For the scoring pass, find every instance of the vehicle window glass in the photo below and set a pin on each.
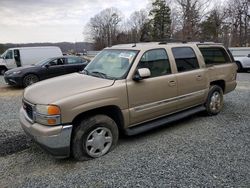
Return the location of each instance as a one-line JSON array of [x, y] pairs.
[[185, 59], [73, 60], [156, 61], [9, 55], [56, 62], [112, 63], [214, 55]]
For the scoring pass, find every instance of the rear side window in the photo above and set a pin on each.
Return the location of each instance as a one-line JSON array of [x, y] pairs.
[[156, 61], [72, 60], [185, 59], [215, 55]]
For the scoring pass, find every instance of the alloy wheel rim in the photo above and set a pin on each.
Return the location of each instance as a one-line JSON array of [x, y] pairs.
[[98, 142], [215, 103]]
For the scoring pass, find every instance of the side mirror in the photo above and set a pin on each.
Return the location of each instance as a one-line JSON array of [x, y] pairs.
[[248, 55], [47, 66], [142, 74]]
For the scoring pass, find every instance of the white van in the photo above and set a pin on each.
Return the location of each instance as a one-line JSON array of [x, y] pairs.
[[17, 57], [241, 56]]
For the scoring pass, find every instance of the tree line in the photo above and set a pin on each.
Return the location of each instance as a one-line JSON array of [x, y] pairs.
[[179, 20]]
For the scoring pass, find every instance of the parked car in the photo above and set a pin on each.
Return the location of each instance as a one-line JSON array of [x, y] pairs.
[[126, 89], [52, 67], [242, 57], [18, 57]]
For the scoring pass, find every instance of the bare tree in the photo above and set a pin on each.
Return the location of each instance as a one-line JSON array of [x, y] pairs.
[[192, 12], [103, 27], [137, 21], [238, 18]]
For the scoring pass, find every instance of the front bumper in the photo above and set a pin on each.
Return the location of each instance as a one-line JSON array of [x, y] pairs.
[[13, 80], [55, 140]]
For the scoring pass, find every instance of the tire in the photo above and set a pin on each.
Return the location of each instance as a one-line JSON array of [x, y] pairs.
[[2, 71], [214, 101], [94, 137], [240, 69], [30, 79]]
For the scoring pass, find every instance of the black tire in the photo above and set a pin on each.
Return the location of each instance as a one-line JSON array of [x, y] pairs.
[[213, 107], [2, 71], [30, 79], [82, 136], [240, 69]]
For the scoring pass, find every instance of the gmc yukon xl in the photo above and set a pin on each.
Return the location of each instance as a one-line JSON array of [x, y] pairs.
[[127, 89]]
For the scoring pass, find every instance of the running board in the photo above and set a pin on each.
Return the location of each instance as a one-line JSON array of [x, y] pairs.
[[162, 121]]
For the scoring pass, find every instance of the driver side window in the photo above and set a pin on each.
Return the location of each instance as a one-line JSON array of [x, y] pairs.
[[156, 61], [9, 55], [56, 62]]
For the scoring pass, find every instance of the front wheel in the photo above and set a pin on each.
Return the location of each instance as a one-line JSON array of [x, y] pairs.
[[2, 71], [214, 101], [94, 137], [30, 79]]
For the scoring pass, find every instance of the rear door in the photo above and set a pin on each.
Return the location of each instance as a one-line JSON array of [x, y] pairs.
[[154, 96], [74, 64], [191, 78]]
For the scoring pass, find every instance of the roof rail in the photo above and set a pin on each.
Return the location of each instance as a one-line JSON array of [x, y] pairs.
[[171, 41]]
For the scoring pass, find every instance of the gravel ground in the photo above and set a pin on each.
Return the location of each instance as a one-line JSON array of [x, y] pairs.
[[198, 151]]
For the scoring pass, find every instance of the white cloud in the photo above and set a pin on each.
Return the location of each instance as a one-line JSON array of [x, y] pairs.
[[58, 20]]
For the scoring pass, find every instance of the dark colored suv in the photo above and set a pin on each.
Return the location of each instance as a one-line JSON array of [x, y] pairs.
[[25, 76]]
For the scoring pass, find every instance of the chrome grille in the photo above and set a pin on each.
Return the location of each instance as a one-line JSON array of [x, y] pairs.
[[29, 110]]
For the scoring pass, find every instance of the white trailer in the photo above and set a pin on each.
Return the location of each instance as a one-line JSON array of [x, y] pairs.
[[17, 57]]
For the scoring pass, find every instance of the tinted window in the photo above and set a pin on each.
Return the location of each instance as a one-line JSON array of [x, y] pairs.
[[185, 59], [60, 61], [9, 55], [156, 61], [72, 60], [214, 55]]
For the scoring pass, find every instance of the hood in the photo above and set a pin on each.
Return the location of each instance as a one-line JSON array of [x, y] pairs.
[[20, 69], [52, 90]]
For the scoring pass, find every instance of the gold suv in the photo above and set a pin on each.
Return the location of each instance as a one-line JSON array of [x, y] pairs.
[[127, 89]]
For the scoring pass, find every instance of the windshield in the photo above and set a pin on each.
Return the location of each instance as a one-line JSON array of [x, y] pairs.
[[111, 64], [3, 55], [43, 61]]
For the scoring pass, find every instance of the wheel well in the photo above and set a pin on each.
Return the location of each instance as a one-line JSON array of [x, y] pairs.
[[3, 67], [220, 83], [113, 112], [31, 73]]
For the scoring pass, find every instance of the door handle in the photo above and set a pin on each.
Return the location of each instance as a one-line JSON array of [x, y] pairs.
[[198, 77], [172, 83]]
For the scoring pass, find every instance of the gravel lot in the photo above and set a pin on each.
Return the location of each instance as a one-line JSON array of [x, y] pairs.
[[198, 151]]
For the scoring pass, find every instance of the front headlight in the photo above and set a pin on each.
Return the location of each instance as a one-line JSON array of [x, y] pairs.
[[48, 114], [16, 72]]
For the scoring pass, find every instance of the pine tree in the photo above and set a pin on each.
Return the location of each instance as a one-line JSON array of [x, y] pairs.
[[161, 21]]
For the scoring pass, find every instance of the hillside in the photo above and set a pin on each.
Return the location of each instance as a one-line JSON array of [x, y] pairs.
[[65, 46]]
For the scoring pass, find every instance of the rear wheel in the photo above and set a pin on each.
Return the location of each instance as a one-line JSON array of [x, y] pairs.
[[30, 79], [240, 69], [214, 101], [94, 137]]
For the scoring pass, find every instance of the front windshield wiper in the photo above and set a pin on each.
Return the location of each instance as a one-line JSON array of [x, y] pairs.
[[101, 74], [84, 72]]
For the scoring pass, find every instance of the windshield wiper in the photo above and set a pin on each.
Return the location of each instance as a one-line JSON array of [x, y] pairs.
[[101, 74], [85, 72]]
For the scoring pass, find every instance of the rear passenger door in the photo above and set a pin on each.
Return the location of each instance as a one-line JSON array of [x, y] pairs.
[[74, 64], [191, 79], [154, 96]]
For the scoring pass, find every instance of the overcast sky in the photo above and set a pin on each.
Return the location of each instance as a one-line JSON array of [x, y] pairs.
[[24, 21]]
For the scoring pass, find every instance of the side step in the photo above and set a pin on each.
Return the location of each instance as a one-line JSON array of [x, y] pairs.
[[162, 121]]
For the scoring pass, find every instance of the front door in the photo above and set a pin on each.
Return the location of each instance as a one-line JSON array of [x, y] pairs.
[[154, 96], [55, 67]]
